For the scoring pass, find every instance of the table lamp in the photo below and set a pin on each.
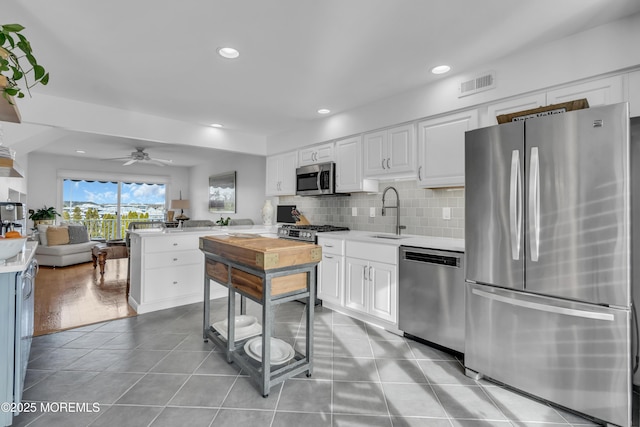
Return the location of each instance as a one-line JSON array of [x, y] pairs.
[[181, 204]]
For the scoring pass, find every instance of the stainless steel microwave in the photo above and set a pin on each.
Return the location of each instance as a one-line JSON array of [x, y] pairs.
[[316, 180]]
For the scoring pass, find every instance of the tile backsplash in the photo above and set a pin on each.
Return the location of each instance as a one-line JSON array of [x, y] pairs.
[[421, 210]]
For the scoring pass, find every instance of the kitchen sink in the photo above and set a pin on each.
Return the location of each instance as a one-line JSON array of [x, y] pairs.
[[388, 236]]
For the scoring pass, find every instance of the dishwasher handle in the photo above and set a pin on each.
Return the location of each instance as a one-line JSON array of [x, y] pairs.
[[429, 258]]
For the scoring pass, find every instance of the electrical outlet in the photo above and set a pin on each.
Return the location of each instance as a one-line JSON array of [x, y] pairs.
[[354, 211], [446, 213], [372, 212]]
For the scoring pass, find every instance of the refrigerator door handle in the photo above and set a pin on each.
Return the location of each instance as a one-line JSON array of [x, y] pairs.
[[544, 307], [515, 205], [534, 205]]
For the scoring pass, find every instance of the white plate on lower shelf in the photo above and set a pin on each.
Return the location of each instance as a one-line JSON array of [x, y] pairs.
[[242, 332], [281, 352]]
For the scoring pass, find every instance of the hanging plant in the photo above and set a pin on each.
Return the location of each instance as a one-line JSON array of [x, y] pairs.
[[15, 50]]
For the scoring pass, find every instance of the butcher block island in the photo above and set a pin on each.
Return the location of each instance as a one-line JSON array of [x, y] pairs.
[[269, 272]]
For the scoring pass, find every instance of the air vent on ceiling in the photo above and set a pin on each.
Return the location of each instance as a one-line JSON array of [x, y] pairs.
[[478, 84]]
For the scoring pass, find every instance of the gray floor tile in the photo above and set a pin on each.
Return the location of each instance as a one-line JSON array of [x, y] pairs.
[[245, 394], [362, 398], [161, 341], [56, 340], [445, 372], [419, 422], [305, 395], [180, 362], [195, 342], [288, 419], [242, 417], [216, 364], [378, 334], [341, 420], [412, 400], [322, 369], [137, 361], [105, 387], [98, 360], [153, 389], [355, 369], [352, 348], [127, 416], [517, 407], [58, 358], [343, 319], [423, 351], [65, 419], [91, 340], [321, 347], [467, 402], [483, 423], [400, 371], [193, 417], [56, 387], [34, 376], [124, 341], [349, 332], [203, 391], [391, 350]]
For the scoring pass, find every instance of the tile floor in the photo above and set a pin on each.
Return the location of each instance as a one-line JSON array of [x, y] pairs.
[[155, 370]]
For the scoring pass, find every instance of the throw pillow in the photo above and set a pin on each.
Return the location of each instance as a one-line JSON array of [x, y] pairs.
[[42, 234], [78, 234], [57, 236]]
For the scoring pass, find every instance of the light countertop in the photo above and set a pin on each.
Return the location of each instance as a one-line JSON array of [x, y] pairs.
[[441, 243], [203, 231], [20, 261]]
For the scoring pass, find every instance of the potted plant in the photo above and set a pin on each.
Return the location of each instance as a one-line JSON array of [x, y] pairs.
[[46, 215], [15, 54]]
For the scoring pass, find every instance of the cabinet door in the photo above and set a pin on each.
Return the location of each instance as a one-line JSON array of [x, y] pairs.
[[316, 154], [512, 106], [288, 174], [330, 278], [272, 183], [356, 284], [383, 291], [598, 92], [349, 164], [441, 149], [400, 150], [375, 153]]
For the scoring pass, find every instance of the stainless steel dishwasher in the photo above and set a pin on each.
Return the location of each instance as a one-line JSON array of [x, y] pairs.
[[431, 296]]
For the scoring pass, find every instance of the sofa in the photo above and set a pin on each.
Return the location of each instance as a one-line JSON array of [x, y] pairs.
[[63, 245]]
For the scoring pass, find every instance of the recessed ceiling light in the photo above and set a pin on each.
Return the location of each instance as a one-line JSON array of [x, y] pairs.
[[228, 52], [80, 151], [440, 69], [324, 111], [215, 125]]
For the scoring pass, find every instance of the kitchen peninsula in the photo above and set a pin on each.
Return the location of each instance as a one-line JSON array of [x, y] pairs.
[[167, 267]]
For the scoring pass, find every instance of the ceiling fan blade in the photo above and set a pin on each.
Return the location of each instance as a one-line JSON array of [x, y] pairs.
[[130, 162], [162, 160], [118, 158], [154, 162]]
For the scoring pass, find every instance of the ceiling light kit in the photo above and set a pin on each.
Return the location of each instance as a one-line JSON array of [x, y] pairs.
[[142, 156], [441, 69], [228, 52], [215, 125], [324, 111]]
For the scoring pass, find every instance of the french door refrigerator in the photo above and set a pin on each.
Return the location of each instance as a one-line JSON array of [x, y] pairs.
[[548, 254]]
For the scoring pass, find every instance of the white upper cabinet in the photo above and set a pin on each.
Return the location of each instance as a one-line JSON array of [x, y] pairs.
[[316, 154], [349, 177], [513, 106], [281, 174], [441, 149], [605, 91], [390, 153], [634, 93]]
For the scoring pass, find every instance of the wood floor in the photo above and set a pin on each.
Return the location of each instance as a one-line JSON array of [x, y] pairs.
[[77, 295]]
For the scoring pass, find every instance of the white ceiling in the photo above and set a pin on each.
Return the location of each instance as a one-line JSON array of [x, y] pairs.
[[159, 57]]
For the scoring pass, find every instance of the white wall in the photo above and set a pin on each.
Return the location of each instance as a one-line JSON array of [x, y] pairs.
[[605, 49], [250, 185], [43, 187]]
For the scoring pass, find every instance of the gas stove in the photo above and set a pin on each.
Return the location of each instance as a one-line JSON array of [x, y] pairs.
[[306, 233]]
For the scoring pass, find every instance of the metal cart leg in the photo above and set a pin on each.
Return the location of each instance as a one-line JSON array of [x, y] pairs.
[[207, 306], [311, 281]]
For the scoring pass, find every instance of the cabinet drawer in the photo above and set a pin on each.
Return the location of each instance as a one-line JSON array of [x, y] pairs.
[[372, 252], [173, 259], [171, 243], [331, 246], [164, 283]]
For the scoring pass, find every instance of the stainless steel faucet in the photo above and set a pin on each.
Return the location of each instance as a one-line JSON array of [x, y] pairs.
[[396, 207]]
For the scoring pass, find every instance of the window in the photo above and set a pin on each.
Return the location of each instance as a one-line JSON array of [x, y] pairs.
[[107, 207]]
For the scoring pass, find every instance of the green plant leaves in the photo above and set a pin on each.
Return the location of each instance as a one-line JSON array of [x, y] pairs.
[[12, 28], [10, 62]]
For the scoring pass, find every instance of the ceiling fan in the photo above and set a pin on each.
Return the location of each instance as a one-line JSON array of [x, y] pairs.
[[142, 156]]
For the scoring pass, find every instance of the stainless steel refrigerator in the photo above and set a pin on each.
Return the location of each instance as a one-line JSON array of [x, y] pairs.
[[548, 253]]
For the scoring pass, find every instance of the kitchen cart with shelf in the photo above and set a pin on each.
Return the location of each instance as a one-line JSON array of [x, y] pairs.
[[269, 272]]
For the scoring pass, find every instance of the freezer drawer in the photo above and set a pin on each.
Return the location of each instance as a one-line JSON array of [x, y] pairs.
[[573, 354]]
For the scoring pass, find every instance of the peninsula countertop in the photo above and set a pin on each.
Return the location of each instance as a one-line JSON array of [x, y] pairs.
[[20, 261]]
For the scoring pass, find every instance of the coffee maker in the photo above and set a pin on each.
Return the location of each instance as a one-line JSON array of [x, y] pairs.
[[12, 217]]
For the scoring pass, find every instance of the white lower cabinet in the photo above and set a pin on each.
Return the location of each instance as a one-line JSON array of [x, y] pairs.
[[371, 281], [331, 270], [166, 271]]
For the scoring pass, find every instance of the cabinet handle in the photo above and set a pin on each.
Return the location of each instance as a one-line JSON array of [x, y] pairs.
[[328, 257], [175, 259], [419, 174], [328, 246], [365, 273], [388, 167], [370, 274], [383, 164], [175, 282], [175, 244]]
